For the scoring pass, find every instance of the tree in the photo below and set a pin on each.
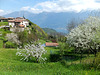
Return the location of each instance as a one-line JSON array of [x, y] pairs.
[[23, 37], [71, 25], [31, 51], [12, 37], [84, 37]]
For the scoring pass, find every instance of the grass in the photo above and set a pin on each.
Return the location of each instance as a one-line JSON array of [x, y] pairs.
[[1, 43], [42, 41], [3, 23], [10, 64]]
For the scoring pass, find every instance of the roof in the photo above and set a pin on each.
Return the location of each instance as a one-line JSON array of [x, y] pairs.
[[4, 18], [11, 20], [21, 25], [51, 44], [18, 20], [15, 20]]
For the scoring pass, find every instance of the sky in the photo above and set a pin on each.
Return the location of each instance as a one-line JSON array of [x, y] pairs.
[[39, 6]]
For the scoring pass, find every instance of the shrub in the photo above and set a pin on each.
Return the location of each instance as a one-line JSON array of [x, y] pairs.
[[31, 51], [10, 45], [12, 37], [54, 57], [97, 61]]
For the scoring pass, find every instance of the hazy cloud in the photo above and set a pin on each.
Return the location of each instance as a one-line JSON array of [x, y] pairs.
[[25, 8], [64, 6], [61, 28], [1, 12]]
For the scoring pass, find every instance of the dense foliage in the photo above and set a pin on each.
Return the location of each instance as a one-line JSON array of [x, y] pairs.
[[84, 37], [37, 31], [10, 45]]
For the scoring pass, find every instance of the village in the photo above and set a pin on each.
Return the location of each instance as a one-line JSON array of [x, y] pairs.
[[13, 23], [19, 24]]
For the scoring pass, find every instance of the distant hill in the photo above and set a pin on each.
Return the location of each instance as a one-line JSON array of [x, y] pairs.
[[57, 21], [49, 30], [52, 31], [1, 17]]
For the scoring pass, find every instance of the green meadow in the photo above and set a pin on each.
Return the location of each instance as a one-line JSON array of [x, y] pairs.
[[3, 23], [10, 64]]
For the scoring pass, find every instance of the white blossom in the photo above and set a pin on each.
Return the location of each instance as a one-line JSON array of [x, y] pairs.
[[85, 35], [31, 51], [13, 38]]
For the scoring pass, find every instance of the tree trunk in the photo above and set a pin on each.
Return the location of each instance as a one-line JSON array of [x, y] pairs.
[[88, 53], [37, 59], [3, 45], [95, 54], [81, 56]]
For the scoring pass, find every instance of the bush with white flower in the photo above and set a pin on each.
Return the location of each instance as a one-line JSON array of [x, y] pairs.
[[31, 51], [86, 36], [12, 37]]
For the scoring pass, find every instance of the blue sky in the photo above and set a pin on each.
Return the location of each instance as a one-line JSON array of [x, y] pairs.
[[17, 4], [39, 6]]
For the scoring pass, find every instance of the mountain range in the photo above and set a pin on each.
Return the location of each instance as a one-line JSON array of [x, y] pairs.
[[57, 21]]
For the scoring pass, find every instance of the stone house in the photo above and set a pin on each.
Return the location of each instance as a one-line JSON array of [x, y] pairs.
[[47, 44], [6, 19], [18, 22]]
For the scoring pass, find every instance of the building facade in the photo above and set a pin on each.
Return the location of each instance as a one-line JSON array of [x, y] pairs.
[[18, 22]]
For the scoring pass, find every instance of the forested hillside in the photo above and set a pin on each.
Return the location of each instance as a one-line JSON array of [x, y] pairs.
[[13, 39]]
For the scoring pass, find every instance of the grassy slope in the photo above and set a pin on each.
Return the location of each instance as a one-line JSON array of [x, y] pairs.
[[10, 64], [1, 43], [38, 29], [3, 23]]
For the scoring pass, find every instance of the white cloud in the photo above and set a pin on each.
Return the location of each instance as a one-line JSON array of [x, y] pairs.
[[25, 8], [64, 6], [1, 12], [35, 10]]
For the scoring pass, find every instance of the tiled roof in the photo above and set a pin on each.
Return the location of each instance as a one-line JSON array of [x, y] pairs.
[[15, 20], [21, 25], [18, 20], [51, 44], [11, 20], [4, 18]]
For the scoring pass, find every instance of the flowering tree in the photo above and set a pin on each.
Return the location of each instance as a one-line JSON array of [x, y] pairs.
[[31, 51], [85, 36], [12, 37]]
